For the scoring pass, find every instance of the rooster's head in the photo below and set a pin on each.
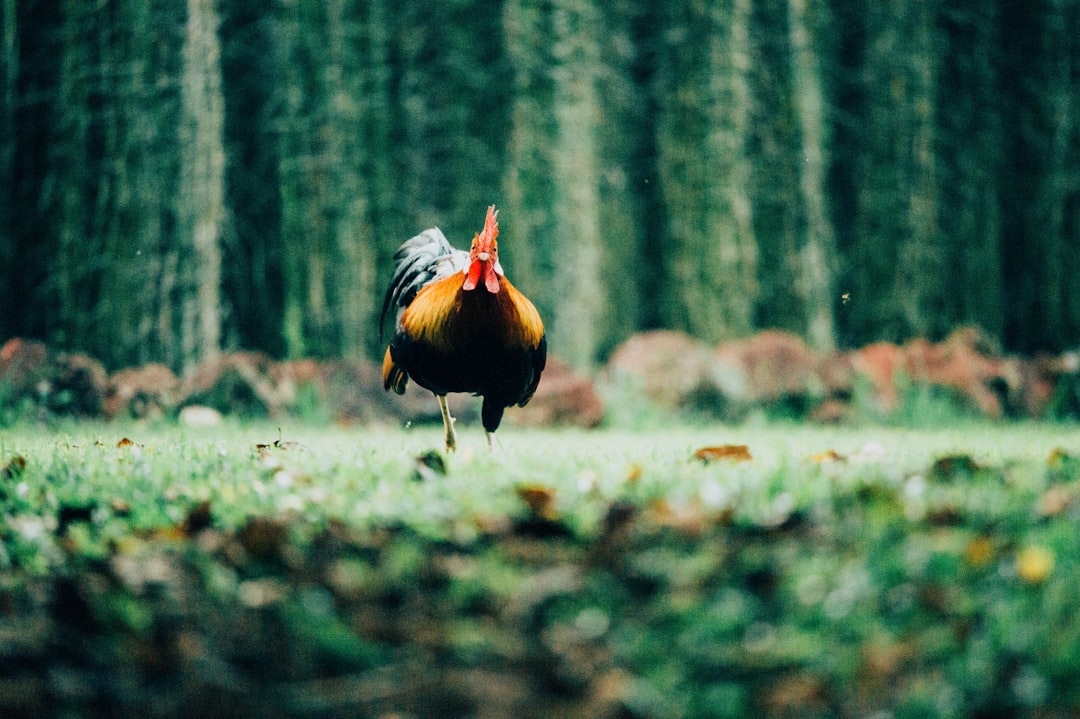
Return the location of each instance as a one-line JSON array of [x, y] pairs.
[[484, 256]]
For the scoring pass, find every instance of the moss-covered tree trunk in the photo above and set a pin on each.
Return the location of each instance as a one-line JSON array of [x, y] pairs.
[[115, 150], [201, 187], [329, 246], [895, 262], [971, 152], [625, 173], [552, 182], [9, 76], [710, 256], [528, 191], [577, 284], [1042, 205], [790, 151], [254, 244], [815, 255]]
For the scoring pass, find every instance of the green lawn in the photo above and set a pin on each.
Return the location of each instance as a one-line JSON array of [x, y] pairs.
[[853, 573]]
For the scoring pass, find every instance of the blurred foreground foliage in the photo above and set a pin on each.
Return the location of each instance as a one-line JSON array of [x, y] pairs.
[[799, 573]]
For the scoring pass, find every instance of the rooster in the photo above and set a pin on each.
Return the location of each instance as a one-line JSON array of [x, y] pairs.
[[461, 326]]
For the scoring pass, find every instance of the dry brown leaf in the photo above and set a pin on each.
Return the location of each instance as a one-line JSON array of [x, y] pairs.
[[951, 465], [684, 517], [828, 455], [1057, 457], [540, 500], [279, 443], [1055, 500], [884, 659], [124, 443], [198, 518], [728, 452], [979, 551], [13, 467], [802, 689], [263, 537]]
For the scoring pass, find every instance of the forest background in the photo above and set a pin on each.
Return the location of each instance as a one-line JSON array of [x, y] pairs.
[[180, 179]]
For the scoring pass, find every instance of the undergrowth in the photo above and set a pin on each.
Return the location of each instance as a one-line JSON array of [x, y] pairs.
[[756, 570]]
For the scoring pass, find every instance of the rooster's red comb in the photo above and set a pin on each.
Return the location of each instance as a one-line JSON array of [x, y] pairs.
[[491, 225]]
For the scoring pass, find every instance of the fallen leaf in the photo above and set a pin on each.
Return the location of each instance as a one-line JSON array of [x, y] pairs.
[[263, 538], [13, 467], [540, 500], [1058, 457], [496, 524], [729, 452], [1055, 500], [198, 518], [170, 533], [951, 465], [947, 514], [979, 551], [684, 517], [795, 690], [290, 445], [429, 465], [68, 514], [1034, 564], [1062, 466], [279, 443], [883, 658], [125, 442], [828, 455]]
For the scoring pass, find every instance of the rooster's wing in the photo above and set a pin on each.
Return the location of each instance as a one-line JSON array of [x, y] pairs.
[[419, 261]]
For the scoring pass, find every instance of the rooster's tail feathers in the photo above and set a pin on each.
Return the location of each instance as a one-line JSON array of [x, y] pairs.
[[394, 376]]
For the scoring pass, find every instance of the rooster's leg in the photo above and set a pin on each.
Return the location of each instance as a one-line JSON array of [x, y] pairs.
[[448, 423]]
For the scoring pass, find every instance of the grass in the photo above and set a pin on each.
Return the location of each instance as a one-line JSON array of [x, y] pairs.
[[872, 572]]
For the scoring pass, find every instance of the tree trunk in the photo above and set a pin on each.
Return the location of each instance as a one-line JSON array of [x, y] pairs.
[[201, 195], [9, 60], [552, 182], [1044, 230], [329, 267], [78, 238], [711, 258], [527, 187], [625, 165], [897, 285], [114, 152], [817, 256], [971, 164], [577, 283], [254, 245]]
